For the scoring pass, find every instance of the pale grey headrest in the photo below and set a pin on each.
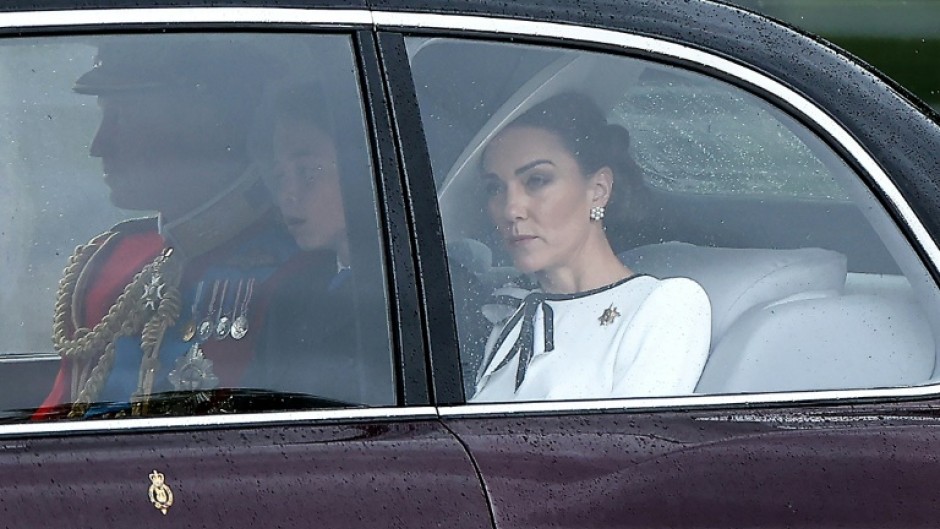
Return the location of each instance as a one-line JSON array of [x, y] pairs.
[[737, 279]]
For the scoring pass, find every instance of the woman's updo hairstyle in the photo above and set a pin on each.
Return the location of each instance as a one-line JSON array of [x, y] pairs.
[[583, 129]]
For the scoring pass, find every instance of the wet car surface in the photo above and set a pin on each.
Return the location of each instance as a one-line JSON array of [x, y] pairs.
[[798, 188]]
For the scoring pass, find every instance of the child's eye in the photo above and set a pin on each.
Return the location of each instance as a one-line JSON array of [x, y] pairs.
[[309, 174], [493, 187], [274, 177]]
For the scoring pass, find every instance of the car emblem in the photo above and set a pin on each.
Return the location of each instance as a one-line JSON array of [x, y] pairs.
[[160, 494], [610, 314]]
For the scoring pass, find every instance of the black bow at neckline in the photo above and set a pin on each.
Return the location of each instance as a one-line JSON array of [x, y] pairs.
[[525, 342]]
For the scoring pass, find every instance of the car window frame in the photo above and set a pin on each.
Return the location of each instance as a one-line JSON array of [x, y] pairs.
[[537, 33], [405, 330], [775, 91]]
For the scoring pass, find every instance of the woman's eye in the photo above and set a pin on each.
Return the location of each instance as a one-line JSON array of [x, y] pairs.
[[537, 181]]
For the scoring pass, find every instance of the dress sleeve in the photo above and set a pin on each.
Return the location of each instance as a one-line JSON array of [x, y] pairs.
[[666, 345]]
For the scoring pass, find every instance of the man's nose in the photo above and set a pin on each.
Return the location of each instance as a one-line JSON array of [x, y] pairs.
[[103, 142]]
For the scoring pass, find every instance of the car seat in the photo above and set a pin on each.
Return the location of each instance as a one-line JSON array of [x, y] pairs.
[[782, 320]]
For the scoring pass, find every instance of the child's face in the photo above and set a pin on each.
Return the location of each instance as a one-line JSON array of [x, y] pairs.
[[306, 185]]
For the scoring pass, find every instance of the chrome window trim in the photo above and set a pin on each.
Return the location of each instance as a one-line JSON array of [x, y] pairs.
[[185, 15], [210, 421], [483, 25], [19, 358], [687, 402]]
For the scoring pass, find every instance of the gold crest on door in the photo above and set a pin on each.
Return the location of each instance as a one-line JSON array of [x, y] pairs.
[[160, 494]]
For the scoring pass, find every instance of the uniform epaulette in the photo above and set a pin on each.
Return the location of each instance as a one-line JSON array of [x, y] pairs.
[[148, 304], [98, 249], [126, 226], [135, 225]]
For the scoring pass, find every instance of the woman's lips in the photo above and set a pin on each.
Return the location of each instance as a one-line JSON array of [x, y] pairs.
[[520, 240]]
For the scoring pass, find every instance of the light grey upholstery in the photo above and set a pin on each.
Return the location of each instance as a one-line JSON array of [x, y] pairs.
[[738, 279], [851, 341], [785, 320]]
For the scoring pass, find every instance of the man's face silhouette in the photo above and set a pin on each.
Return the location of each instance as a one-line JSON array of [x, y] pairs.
[[162, 150]]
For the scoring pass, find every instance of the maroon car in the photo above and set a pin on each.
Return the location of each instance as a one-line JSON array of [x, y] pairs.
[[295, 264]]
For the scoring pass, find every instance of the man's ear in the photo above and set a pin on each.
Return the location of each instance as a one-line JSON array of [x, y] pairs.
[[602, 185]]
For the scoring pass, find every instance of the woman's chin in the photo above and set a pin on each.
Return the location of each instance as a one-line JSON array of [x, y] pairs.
[[527, 266]]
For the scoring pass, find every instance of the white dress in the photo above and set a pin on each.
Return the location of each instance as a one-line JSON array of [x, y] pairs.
[[635, 338]]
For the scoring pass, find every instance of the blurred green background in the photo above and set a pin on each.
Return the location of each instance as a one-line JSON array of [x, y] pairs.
[[899, 37]]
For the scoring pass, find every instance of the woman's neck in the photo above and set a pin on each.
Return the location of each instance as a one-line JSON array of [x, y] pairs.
[[595, 266]]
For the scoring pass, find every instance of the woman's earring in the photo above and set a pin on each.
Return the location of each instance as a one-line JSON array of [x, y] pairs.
[[597, 213]]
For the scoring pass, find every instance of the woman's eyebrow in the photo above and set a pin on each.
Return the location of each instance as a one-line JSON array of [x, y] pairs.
[[532, 164]]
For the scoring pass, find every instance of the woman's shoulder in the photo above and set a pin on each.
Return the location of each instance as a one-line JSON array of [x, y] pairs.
[[678, 286], [675, 294]]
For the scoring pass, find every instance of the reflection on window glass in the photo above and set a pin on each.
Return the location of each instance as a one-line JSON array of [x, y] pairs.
[[619, 228], [693, 134], [233, 277]]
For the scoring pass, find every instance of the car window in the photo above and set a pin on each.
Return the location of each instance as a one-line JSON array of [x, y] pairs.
[[619, 227], [189, 226], [690, 133]]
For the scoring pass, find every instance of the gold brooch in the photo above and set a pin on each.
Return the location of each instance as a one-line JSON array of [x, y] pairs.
[[610, 314], [160, 494]]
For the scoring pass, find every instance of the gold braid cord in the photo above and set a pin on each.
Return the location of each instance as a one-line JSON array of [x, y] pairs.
[[129, 315], [165, 316]]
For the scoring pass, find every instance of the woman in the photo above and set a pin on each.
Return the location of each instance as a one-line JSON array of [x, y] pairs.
[[593, 329]]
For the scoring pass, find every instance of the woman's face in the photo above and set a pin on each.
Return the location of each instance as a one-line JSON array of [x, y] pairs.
[[539, 200], [306, 185]]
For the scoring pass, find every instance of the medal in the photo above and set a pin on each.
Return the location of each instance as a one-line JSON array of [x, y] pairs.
[[193, 371], [224, 322], [222, 327], [189, 331], [240, 325], [205, 330], [205, 326]]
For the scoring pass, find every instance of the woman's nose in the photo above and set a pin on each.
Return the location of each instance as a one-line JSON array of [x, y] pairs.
[[514, 207]]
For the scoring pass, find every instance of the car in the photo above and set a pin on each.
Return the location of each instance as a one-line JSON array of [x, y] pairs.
[[214, 353]]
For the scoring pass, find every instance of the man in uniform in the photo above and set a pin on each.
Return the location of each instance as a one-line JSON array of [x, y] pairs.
[[171, 302]]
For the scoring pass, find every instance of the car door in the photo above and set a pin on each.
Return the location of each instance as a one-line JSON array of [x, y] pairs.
[[331, 422], [825, 420]]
